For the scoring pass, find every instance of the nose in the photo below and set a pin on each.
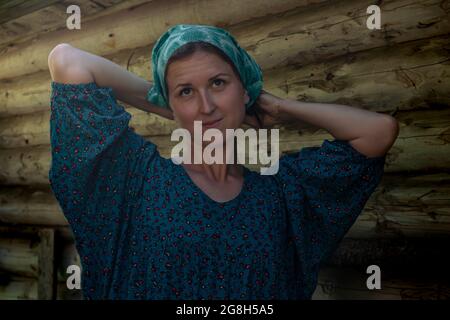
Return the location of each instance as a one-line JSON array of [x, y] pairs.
[[206, 105]]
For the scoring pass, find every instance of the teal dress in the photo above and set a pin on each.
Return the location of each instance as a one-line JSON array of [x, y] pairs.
[[144, 230]]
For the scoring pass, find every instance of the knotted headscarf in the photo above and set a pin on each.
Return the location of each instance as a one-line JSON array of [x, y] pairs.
[[178, 35]]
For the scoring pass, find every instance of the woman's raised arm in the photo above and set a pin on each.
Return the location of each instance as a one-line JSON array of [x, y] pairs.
[[71, 65]]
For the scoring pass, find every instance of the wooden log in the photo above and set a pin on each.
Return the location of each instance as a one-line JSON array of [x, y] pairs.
[[356, 79], [380, 79], [312, 41], [307, 41], [331, 30], [53, 17], [14, 9], [19, 256], [105, 36], [413, 257], [19, 231], [16, 100], [30, 206], [348, 283], [410, 269], [13, 283], [33, 129], [406, 206], [423, 135], [18, 288], [39, 158], [401, 221], [30, 166]]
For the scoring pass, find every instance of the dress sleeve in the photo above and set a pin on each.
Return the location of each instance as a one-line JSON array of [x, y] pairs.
[[325, 189], [97, 163]]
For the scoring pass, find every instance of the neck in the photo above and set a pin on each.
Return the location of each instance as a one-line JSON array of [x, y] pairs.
[[219, 172]]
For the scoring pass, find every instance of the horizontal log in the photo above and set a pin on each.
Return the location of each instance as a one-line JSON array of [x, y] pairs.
[[18, 288], [23, 231], [406, 206], [33, 129], [31, 166], [31, 207], [105, 35], [11, 10], [350, 284], [53, 17], [361, 78], [420, 258], [398, 221], [402, 206], [424, 137], [318, 37], [401, 77], [19, 256]]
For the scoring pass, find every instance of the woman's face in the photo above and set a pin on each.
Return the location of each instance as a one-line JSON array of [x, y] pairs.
[[204, 87]]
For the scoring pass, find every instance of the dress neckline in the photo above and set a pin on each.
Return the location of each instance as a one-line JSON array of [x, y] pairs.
[[208, 198]]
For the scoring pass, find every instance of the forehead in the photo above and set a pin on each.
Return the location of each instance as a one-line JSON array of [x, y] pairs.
[[196, 64]]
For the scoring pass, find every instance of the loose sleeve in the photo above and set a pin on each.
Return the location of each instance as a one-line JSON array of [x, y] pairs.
[[325, 189], [96, 168]]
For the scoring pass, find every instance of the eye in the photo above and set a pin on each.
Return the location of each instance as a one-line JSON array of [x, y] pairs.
[[183, 90], [218, 80]]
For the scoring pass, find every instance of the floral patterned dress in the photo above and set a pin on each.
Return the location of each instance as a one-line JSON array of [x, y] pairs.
[[144, 230]]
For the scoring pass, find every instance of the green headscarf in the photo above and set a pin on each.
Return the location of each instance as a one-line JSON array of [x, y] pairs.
[[178, 35]]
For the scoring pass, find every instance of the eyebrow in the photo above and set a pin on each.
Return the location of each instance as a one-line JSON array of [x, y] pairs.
[[188, 84]]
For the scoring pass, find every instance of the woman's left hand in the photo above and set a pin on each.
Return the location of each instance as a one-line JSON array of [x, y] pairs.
[[267, 109]]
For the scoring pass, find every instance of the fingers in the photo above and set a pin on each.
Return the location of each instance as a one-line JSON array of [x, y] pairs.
[[251, 120], [168, 114]]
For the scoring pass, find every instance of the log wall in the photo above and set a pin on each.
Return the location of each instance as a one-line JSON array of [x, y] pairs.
[[309, 50]]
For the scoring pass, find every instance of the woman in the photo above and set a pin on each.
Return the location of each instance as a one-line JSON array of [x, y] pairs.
[[147, 228]]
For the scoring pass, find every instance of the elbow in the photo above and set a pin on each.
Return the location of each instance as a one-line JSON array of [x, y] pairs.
[[380, 137], [58, 55], [392, 130], [65, 65], [57, 61], [388, 132]]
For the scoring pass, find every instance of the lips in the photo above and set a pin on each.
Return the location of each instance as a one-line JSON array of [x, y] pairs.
[[211, 123]]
